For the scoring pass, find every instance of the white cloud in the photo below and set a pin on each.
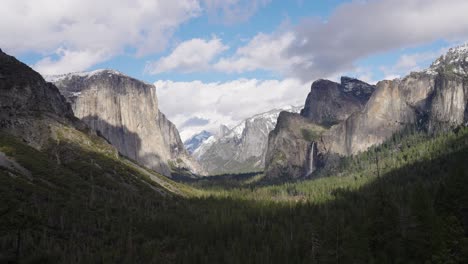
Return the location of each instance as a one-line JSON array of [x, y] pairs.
[[363, 28], [89, 30], [70, 61], [409, 62], [263, 52], [188, 56], [315, 48], [225, 103], [356, 30], [233, 11]]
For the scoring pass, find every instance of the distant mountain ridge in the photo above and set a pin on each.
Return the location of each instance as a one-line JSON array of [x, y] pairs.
[[241, 148], [196, 140]]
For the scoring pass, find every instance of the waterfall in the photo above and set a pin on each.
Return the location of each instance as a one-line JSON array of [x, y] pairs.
[[311, 168]]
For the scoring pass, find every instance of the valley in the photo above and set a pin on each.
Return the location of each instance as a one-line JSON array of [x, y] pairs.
[[91, 171]]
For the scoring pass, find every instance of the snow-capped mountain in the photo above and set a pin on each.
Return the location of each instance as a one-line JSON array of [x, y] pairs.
[[203, 147], [88, 74], [196, 140], [241, 148], [454, 61]]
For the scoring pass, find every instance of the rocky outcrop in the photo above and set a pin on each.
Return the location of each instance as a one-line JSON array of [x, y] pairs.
[[434, 100], [394, 105], [242, 148], [125, 112], [329, 103], [292, 147], [28, 104], [296, 147]]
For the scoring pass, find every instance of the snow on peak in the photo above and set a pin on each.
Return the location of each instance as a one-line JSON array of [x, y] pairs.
[[456, 57], [193, 143], [268, 118], [60, 77], [203, 147], [266, 121]]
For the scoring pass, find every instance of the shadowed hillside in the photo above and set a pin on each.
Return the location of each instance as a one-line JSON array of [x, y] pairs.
[[410, 212]]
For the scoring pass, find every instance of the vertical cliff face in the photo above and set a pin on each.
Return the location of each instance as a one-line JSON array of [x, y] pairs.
[[125, 112], [242, 148], [434, 99], [290, 146], [28, 104], [295, 137], [329, 103], [394, 105], [449, 102]]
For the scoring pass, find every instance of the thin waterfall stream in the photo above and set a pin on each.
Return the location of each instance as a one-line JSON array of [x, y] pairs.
[[311, 168]]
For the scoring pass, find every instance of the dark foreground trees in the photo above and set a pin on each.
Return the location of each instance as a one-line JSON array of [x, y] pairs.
[[416, 211]]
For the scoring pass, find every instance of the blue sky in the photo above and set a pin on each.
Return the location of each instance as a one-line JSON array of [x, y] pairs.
[[234, 33], [225, 60]]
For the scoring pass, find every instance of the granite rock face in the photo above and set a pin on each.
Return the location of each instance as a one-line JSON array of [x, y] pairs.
[[292, 147], [242, 148], [329, 103], [29, 106], [296, 147], [125, 112], [448, 102], [394, 105], [434, 100]]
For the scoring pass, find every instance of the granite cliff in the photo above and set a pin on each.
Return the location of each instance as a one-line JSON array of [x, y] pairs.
[[329, 103], [125, 112], [295, 147], [432, 100]]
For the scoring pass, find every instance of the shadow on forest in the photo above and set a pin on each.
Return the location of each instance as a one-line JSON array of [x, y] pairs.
[[220, 177], [82, 213]]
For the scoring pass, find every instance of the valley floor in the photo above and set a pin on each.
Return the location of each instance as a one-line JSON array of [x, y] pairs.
[[405, 201]]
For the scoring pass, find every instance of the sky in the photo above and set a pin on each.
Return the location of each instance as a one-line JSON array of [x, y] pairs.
[[218, 62]]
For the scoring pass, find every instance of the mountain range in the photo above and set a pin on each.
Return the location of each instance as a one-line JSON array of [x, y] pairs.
[[193, 144], [239, 149], [82, 162], [343, 119]]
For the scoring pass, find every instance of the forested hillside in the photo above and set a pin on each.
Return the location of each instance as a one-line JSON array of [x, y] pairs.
[[403, 202]]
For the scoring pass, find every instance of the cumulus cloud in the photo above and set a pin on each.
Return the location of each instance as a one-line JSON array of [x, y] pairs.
[[263, 52], [225, 103], [70, 61], [411, 62], [188, 56], [315, 48], [195, 122], [233, 11], [87, 30], [362, 28]]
